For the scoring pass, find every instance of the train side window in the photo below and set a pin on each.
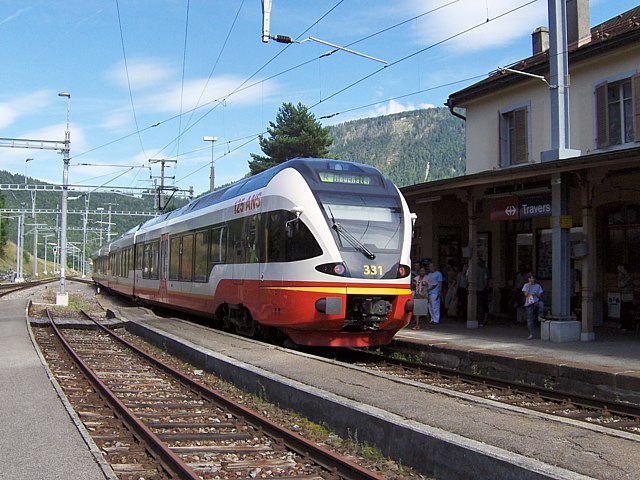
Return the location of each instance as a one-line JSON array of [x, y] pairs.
[[174, 258], [236, 244], [302, 244], [146, 258], [218, 245], [186, 258], [275, 237], [201, 264], [139, 251], [153, 264], [254, 250]]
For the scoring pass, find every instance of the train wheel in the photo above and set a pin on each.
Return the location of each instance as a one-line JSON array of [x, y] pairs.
[[245, 324]]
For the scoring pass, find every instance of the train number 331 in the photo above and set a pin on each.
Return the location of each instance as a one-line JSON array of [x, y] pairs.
[[373, 270]]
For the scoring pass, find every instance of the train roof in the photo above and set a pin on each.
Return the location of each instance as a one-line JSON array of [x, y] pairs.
[[308, 168]]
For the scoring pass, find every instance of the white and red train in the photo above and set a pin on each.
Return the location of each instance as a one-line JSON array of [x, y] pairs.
[[316, 249]]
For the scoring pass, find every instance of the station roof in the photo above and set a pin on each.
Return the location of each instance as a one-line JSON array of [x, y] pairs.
[[616, 32]]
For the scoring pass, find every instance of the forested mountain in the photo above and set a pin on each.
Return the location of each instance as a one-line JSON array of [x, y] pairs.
[[97, 224], [401, 145]]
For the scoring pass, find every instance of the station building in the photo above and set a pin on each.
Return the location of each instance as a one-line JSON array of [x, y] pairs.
[[501, 210]]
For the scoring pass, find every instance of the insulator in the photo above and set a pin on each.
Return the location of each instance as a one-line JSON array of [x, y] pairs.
[[283, 39]]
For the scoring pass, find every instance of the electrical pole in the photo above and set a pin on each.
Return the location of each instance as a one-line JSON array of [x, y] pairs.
[[63, 298], [560, 149], [162, 162], [213, 175]]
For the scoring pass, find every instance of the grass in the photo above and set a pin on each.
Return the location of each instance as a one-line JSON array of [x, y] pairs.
[[8, 261]]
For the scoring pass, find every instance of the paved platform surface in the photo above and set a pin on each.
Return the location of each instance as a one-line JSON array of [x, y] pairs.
[[611, 348], [445, 432], [38, 432], [38, 439]]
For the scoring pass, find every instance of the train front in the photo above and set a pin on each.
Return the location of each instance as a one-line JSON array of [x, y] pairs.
[[359, 291]]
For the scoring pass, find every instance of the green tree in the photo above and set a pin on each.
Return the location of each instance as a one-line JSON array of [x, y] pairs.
[[295, 133]]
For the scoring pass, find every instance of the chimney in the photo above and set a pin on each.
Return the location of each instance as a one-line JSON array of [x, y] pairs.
[[578, 22], [540, 39]]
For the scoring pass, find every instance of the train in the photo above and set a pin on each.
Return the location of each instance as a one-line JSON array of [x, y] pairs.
[[314, 250]]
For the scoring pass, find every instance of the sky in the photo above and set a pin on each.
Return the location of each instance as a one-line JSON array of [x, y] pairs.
[[149, 79]]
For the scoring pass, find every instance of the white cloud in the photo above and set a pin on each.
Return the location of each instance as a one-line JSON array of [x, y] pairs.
[[14, 15], [200, 92], [142, 74], [465, 14], [118, 120], [56, 132], [10, 111], [396, 107]]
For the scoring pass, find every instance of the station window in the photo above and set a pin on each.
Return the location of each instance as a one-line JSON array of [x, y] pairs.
[[614, 112], [623, 242], [514, 136]]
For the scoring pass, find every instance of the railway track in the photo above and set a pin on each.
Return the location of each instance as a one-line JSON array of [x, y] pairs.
[[7, 288], [613, 416], [151, 421]]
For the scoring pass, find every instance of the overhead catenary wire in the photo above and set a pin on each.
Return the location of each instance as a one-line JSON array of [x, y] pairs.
[[245, 84], [215, 64], [400, 60], [184, 63], [126, 68]]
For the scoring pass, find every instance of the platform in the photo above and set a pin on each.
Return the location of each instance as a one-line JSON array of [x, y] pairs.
[[608, 367], [39, 438], [612, 348], [438, 433]]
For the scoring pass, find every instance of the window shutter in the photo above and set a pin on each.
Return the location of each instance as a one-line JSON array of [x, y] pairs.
[[635, 96], [503, 149], [602, 122], [521, 154]]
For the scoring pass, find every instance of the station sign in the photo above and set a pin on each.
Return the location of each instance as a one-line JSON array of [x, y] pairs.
[[506, 208], [533, 206], [521, 208]]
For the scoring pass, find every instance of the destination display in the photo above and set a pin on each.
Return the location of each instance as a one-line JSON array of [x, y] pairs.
[[351, 178]]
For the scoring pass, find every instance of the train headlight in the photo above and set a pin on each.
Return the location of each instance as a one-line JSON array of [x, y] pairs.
[[403, 271], [337, 269]]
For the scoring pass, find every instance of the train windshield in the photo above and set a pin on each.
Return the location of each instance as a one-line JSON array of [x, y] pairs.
[[366, 224]]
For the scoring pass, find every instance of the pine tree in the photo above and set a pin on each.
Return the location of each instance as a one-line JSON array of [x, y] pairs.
[[295, 133]]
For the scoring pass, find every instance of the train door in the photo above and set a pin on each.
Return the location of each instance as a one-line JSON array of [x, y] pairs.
[[163, 266], [273, 266], [244, 238], [273, 246]]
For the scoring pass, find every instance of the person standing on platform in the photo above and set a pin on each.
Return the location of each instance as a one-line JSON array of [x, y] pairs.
[[434, 288], [421, 292], [415, 271], [625, 284], [532, 291]]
